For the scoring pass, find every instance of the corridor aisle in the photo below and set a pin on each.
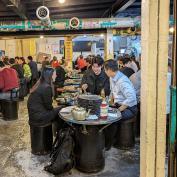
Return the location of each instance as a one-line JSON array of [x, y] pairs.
[[16, 159]]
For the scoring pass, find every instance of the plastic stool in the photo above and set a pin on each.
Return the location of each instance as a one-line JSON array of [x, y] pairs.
[[41, 139], [9, 109], [125, 136]]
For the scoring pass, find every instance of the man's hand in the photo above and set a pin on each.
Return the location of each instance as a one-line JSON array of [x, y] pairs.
[[122, 108], [84, 87]]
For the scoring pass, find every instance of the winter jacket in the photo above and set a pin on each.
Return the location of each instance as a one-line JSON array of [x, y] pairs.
[[55, 64], [34, 70], [60, 76], [8, 79], [40, 109], [27, 71], [127, 71], [96, 83], [81, 63], [19, 70]]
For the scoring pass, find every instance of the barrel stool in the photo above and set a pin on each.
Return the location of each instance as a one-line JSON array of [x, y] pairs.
[[9, 109], [41, 139], [125, 136], [138, 121], [89, 150]]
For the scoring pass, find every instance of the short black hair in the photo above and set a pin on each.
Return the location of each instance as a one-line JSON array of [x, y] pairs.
[[6, 61], [16, 58], [111, 65], [97, 60], [12, 61], [119, 58], [1, 64], [126, 59], [89, 59], [30, 58]]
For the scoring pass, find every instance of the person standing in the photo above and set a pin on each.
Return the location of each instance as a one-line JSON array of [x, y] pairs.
[[81, 64], [23, 84], [27, 73], [34, 70], [54, 62], [14, 64]]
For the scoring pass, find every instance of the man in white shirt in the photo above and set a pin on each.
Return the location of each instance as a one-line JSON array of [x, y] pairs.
[[122, 90]]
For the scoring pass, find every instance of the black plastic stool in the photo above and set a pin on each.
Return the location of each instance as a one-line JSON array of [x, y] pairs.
[[9, 109], [41, 139], [89, 150], [137, 123], [125, 136]]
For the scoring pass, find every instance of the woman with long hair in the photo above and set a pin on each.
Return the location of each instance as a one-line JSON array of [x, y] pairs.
[[40, 109]]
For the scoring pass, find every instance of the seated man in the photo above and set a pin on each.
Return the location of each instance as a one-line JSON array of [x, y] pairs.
[[95, 79], [8, 81], [127, 66], [122, 90]]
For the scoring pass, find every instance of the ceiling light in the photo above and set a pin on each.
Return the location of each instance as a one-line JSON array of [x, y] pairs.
[[172, 30], [10, 5], [61, 1], [102, 35], [41, 37]]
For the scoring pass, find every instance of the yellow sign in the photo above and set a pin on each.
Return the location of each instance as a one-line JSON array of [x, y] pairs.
[[69, 51]]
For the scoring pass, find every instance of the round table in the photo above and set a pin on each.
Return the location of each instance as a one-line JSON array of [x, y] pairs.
[[89, 140]]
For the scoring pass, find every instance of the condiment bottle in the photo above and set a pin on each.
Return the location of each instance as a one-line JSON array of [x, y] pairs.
[[104, 110]]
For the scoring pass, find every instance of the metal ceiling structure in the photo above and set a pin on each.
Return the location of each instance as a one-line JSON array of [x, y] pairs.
[[26, 9]]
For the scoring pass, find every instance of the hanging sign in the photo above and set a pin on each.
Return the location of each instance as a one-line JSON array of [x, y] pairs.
[[69, 24], [74, 23]]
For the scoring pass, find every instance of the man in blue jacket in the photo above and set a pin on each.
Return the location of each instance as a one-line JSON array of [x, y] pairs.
[[34, 70]]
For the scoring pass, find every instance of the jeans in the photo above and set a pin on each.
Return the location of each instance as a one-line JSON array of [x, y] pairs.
[[129, 113], [110, 132], [5, 95], [9, 95]]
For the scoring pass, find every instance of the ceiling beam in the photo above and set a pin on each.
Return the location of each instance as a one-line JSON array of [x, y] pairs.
[[118, 5], [74, 10], [17, 7], [68, 3], [7, 14], [76, 6], [84, 14], [126, 5]]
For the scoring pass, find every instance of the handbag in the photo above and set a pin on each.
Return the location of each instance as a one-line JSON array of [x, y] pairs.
[[62, 155]]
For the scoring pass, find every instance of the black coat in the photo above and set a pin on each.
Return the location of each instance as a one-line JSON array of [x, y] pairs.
[[34, 70], [127, 71], [60, 76], [96, 83], [19, 70], [40, 109]]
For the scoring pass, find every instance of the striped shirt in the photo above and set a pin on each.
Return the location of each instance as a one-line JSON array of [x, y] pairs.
[[123, 90]]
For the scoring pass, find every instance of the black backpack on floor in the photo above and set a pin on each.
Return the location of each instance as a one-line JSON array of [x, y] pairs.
[[62, 156]]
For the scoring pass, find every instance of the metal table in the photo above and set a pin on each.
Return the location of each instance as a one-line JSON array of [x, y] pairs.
[[90, 140]]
